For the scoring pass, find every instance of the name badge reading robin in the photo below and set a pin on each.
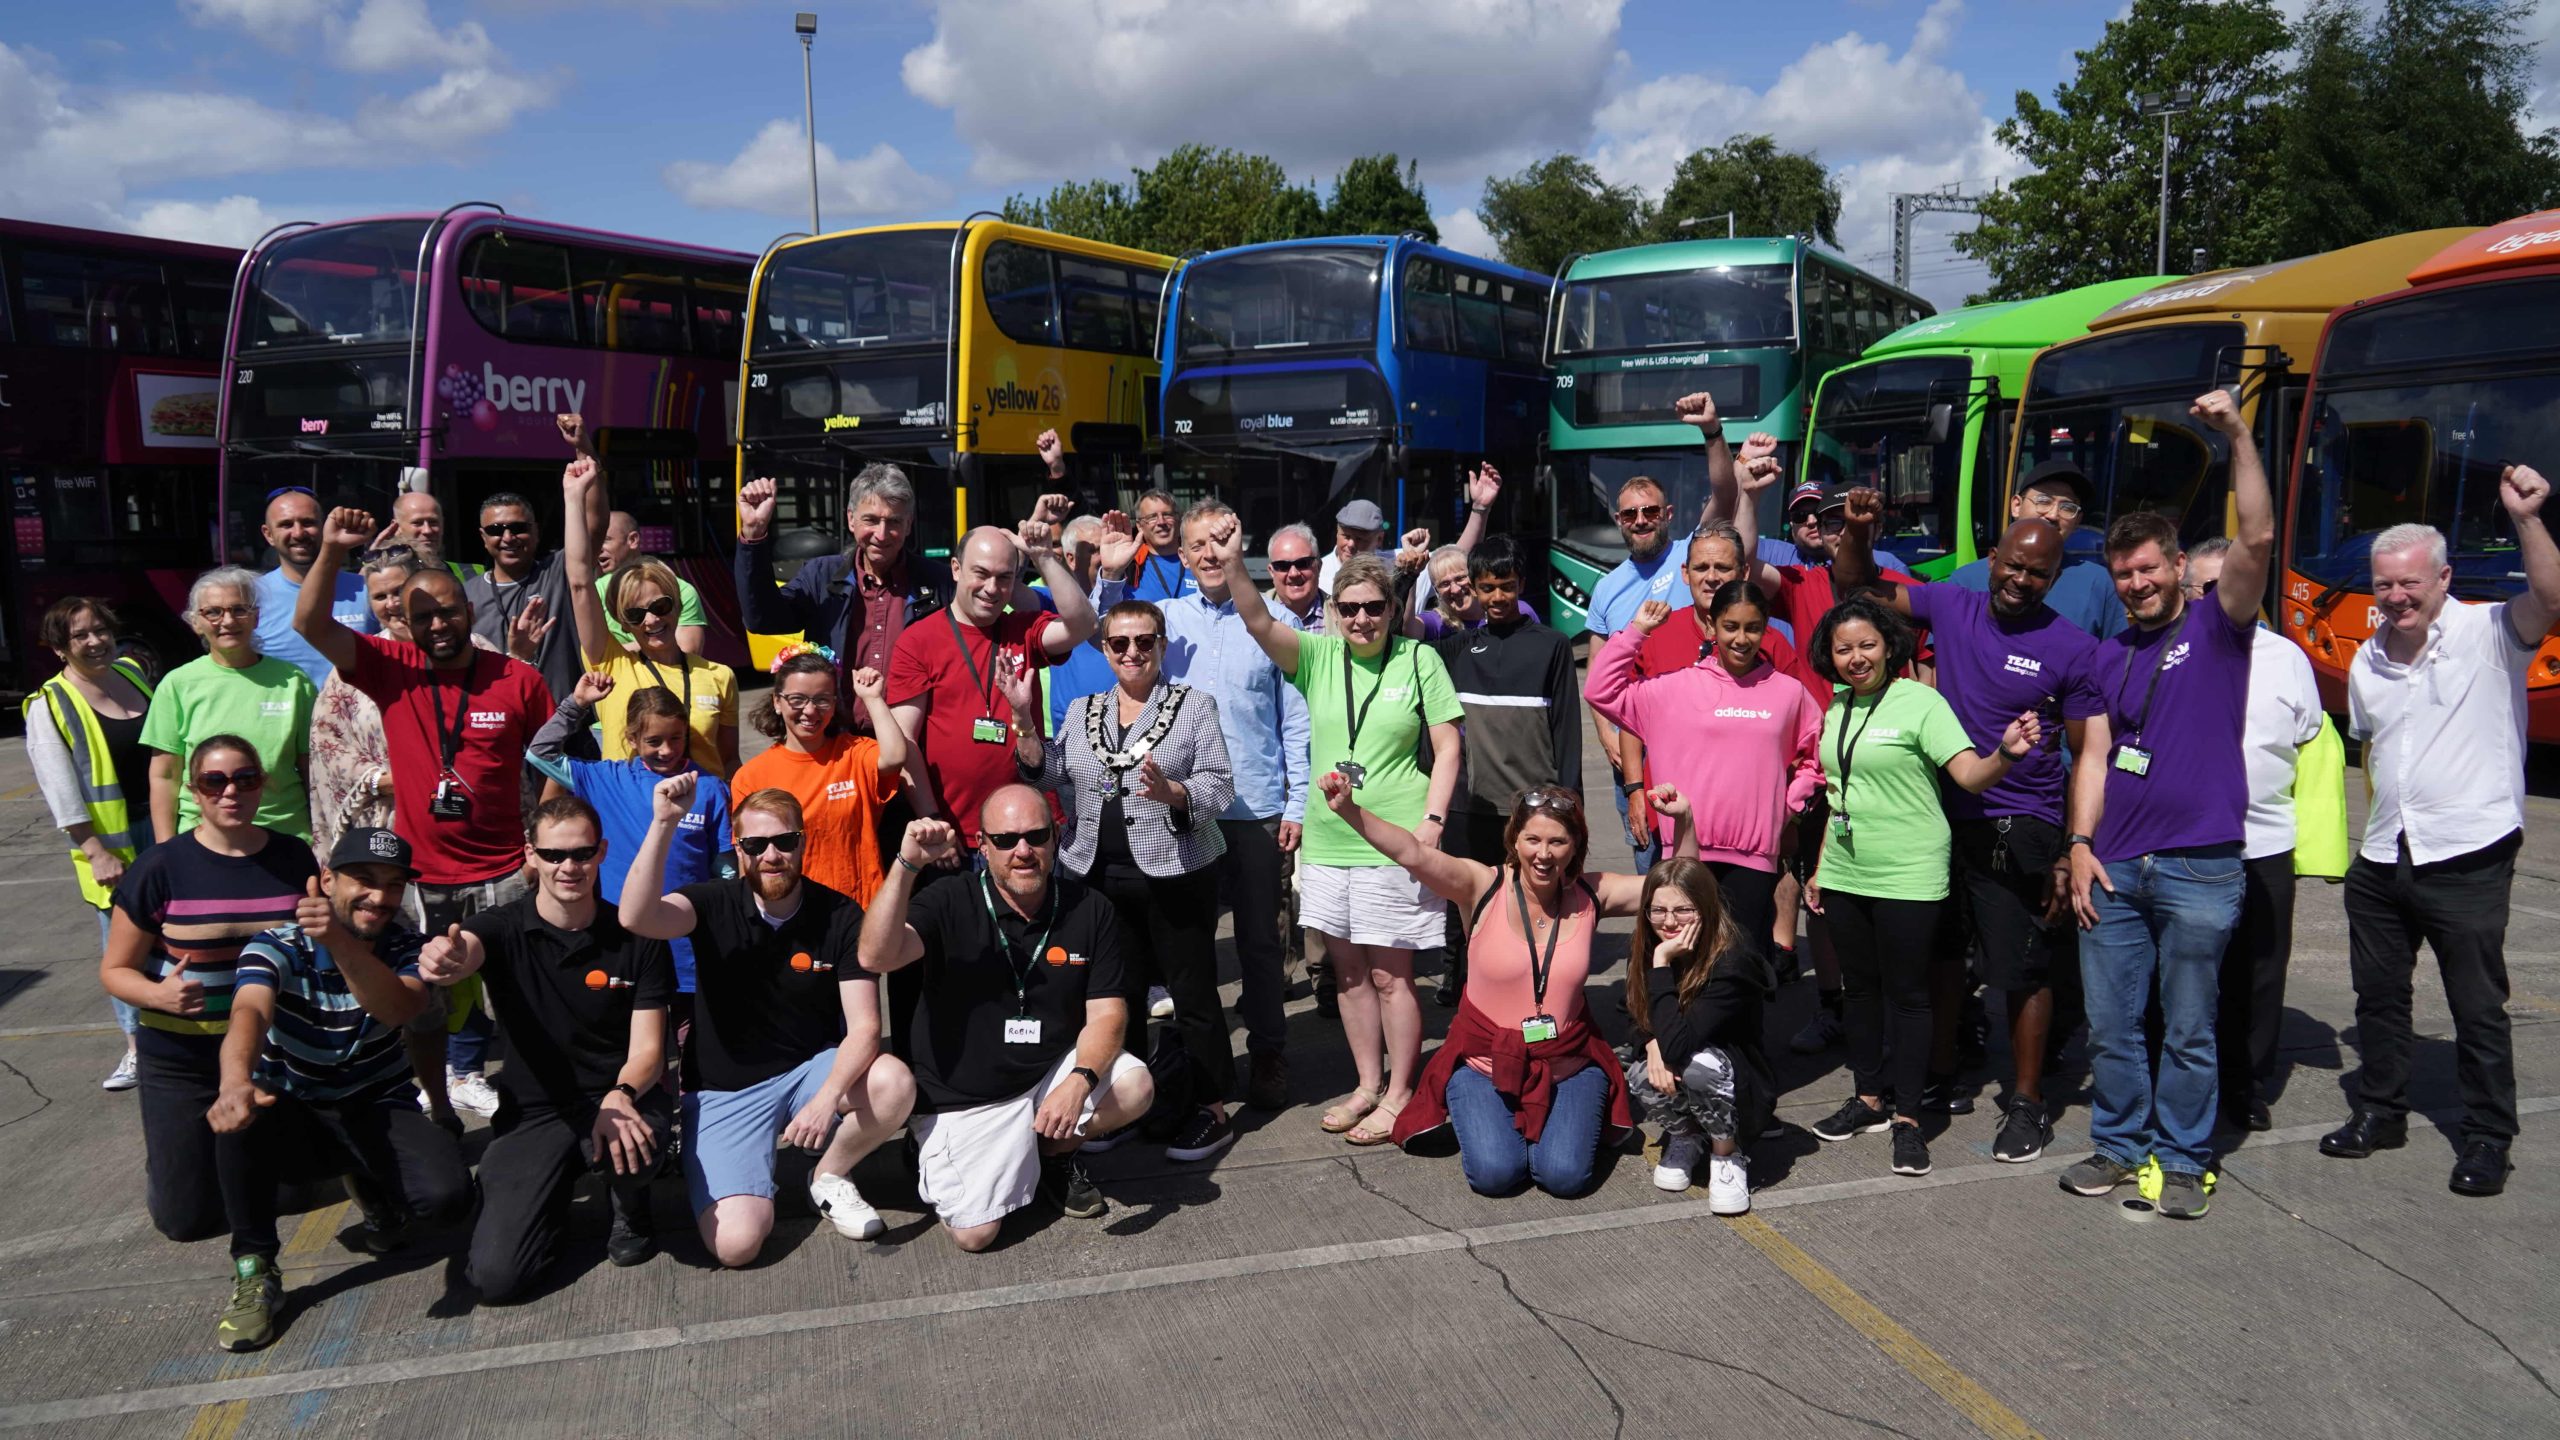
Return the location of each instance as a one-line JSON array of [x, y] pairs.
[[2133, 760], [1353, 771], [987, 732], [1022, 1030], [1537, 1028]]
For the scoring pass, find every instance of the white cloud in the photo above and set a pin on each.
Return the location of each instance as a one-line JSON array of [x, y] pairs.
[[400, 35], [1461, 231], [1040, 90], [236, 220], [460, 109], [281, 23], [771, 177]]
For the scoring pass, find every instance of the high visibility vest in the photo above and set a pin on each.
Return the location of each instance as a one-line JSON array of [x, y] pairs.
[[109, 815], [2320, 845]]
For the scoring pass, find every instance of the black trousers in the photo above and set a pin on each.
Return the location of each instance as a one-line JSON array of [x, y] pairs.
[[527, 1176], [1170, 925], [382, 1140], [1884, 948], [2458, 907], [2253, 966], [188, 1171], [1750, 900], [1249, 885]]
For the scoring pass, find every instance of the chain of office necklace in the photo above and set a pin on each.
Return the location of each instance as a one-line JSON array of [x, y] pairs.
[[1121, 761]]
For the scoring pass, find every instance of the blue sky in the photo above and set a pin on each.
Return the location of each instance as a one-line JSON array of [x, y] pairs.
[[214, 118]]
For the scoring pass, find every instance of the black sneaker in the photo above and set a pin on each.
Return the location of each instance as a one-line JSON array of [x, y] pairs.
[[1819, 1033], [2183, 1196], [1941, 1097], [635, 1236], [2095, 1176], [2023, 1133], [1064, 1181], [1910, 1151], [1857, 1117], [1108, 1140], [1205, 1134]]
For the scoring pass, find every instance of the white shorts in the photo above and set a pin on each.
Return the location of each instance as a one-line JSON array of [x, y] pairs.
[[1369, 905], [981, 1164]]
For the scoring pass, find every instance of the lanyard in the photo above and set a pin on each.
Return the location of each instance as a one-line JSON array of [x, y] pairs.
[[1539, 967], [684, 667], [449, 740], [1023, 971], [1174, 590], [1351, 742], [2159, 666], [1845, 748], [986, 683]]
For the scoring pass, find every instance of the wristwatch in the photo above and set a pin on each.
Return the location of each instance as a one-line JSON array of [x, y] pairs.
[[2070, 840], [627, 1092], [1091, 1080], [1437, 819]]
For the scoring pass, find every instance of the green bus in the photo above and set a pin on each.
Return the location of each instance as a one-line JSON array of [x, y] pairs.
[[1756, 323], [1925, 417]]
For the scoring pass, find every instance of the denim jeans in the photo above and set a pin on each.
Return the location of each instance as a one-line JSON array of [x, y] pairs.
[[128, 1019], [1651, 849], [466, 1049], [2171, 916], [1497, 1159]]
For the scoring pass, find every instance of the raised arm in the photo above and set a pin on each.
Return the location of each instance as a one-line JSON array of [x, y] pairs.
[[1613, 667], [2243, 591], [578, 484], [549, 750], [1759, 471], [764, 605], [598, 504], [1483, 488], [871, 691], [644, 909], [1032, 755], [1277, 640], [1448, 876], [387, 995], [1076, 620], [346, 532], [1699, 409], [2523, 490], [1854, 563], [889, 943]]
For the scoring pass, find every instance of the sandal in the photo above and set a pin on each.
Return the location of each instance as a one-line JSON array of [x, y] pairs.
[[1385, 1121], [1348, 1112]]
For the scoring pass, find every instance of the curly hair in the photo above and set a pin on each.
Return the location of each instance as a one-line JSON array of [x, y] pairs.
[[809, 660], [1900, 645]]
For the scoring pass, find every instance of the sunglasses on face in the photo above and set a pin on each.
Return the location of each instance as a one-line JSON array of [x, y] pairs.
[[574, 855], [212, 614], [214, 782], [1833, 522], [1123, 644], [754, 846], [506, 529], [662, 607], [1292, 567], [1349, 609], [1634, 513], [1007, 839]]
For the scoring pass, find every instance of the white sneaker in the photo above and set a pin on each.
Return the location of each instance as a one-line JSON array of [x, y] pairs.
[[1159, 1002], [123, 1077], [1680, 1152], [844, 1207], [471, 1092], [1729, 1184]]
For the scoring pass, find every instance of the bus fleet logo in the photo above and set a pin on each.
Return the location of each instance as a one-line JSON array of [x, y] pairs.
[[492, 392], [1273, 421], [841, 422], [2524, 241], [1042, 398], [315, 427]]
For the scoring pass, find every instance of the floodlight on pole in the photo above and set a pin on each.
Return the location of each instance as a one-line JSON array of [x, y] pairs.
[[805, 25], [1697, 220], [2164, 103]]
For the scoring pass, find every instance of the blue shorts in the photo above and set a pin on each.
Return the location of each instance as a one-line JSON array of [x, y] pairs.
[[729, 1134]]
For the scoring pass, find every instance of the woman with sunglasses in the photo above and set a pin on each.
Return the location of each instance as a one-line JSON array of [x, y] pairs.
[[1370, 704], [646, 597], [1694, 1001], [842, 780], [1143, 770], [233, 689], [182, 912]]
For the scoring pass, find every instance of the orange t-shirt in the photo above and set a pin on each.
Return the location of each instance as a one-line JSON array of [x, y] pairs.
[[840, 790]]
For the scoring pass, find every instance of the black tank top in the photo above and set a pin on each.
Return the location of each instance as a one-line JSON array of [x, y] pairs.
[[131, 762]]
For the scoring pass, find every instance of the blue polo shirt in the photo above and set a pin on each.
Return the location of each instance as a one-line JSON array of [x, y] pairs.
[[621, 791], [277, 596]]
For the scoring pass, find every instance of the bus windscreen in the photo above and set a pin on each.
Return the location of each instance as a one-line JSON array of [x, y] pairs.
[[877, 287], [336, 285], [2429, 453], [2116, 406], [1871, 428], [1297, 297], [1720, 306]]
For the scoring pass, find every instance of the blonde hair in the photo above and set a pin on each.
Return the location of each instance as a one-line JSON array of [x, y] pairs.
[[1362, 569], [649, 568]]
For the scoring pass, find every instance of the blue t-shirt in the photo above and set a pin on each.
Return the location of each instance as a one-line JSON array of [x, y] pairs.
[[1084, 671], [2084, 594], [621, 790], [1161, 577], [1615, 599], [276, 635]]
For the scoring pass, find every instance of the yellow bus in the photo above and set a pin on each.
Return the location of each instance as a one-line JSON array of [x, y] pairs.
[[945, 348]]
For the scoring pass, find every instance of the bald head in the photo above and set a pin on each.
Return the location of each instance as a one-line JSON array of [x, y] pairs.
[[419, 521], [439, 616], [1013, 807], [2024, 565], [1020, 869], [293, 528]]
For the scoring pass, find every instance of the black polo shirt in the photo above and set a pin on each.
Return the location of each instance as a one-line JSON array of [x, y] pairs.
[[965, 986], [564, 999], [764, 995]]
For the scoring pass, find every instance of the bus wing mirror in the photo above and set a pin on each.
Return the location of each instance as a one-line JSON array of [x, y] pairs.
[[1942, 421]]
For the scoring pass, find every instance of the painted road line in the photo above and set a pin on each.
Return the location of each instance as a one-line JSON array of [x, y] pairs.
[[29, 1032], [222, 1419]]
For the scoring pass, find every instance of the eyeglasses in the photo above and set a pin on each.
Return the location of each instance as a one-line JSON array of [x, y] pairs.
[[1292, 567], [1349, 609], [2040, 501], [1834, 522], [798, 703], [1671, 918], [214, 782], [211, 614], [1123, 644], [1634, 513], [506, 528], [662, 607], [754, 846], [574, 855], [1007, 839]]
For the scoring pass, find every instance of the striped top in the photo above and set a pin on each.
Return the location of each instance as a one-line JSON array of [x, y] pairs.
[[322, 1044], [201, 907]]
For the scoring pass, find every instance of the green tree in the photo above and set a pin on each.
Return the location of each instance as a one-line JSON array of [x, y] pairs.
[[1768, 190], [1557, 208], [1094, 209], [2089, 211], [1202, 199], [1371, 197]]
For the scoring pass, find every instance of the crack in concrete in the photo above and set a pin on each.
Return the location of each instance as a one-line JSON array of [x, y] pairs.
[[44, 1102]]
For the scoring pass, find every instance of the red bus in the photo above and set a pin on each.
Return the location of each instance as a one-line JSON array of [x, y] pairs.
[[110, 356], [2420, 398], [333, 334]]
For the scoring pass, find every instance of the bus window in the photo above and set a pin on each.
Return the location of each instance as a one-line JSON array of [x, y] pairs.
[[1425, 302], [520, 288], [1146, 290], [95, 302], [1281, 299], [2427, 453], [204, 311], [1093, 299], [1478, 314], [719, 305], [1019, 293], [339, 284], [627, 303], [1524, 323]]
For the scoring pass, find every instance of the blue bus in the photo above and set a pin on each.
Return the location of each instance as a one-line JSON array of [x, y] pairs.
[[1303, 374]]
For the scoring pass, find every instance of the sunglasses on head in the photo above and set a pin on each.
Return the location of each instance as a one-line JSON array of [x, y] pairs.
[[1292, 567], [1123, 644], [391, 555], [574, 855], [662, 607], [505, 528], [1007, 839], [283, 490], [754, 846], [1374, 609], [214, 782], [1556, 800], [1634, 513]]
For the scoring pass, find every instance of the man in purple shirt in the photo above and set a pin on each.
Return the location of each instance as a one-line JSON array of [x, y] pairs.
[[2159, 804], [1999, 653]]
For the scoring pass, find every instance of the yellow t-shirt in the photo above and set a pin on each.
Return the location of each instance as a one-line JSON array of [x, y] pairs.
[[708, 688]]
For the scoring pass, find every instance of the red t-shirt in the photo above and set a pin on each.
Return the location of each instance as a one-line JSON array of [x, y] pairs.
[[499, 702], [931, 669]]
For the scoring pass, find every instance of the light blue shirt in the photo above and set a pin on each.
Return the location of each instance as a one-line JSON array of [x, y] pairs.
[[1261, 715], [1615, 598], [276, 636], [2084, 594]]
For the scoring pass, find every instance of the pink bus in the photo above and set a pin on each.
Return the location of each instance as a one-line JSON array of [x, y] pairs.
[[332, 335]]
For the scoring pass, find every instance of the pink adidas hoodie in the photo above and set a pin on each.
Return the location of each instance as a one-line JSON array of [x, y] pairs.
[[1745, 752]]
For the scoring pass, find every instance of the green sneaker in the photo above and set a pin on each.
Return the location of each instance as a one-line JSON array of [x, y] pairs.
[[257, 1292]]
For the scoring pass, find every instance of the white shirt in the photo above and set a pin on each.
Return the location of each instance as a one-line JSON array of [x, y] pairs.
[[1332, 567], [2445, 737], [2284, 716]]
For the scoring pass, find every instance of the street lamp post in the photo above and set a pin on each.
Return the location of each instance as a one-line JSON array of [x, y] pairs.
[[1695, 221], [805, 25], [2164, 104]]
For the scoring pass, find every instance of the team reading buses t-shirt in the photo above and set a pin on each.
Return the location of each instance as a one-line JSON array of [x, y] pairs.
[[1393, 697], [1880, 760], [492, 707]]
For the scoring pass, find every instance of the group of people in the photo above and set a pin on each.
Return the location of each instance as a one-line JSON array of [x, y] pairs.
[[399, 810]]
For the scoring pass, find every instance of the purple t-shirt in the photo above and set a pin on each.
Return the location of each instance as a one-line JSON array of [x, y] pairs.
[[2197, 791], [1993, 667]]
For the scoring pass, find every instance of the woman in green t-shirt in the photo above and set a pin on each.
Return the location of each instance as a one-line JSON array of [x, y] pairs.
[[1371, 700], [1885, 856], [233, 689]]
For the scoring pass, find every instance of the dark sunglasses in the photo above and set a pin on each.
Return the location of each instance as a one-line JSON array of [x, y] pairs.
[[754, 846], [1292, 567], [505, 528], [1349, 608], [574, 855], [1123, 644], [662, 607], [1634, 513], [214, 782], [1007, 839]]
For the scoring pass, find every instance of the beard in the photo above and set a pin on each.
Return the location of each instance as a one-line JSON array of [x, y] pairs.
[[771, 887]]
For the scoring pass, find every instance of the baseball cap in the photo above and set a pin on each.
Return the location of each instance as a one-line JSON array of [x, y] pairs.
[[367, 845], [1810, 490], [2057, 472], [1361, 515]]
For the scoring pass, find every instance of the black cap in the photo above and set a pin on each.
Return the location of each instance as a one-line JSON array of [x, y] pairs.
[[365, 845], [2057, 470]]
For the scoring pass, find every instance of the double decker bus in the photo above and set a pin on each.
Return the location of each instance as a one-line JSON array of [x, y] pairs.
[[407, 352], [1756, 323], [110, 357], [2419, 401], [1924, 416], [946, 349], [1301, 375], [2114, 401]]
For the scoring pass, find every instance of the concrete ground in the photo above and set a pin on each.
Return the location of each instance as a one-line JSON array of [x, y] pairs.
[[1299, 1286]]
